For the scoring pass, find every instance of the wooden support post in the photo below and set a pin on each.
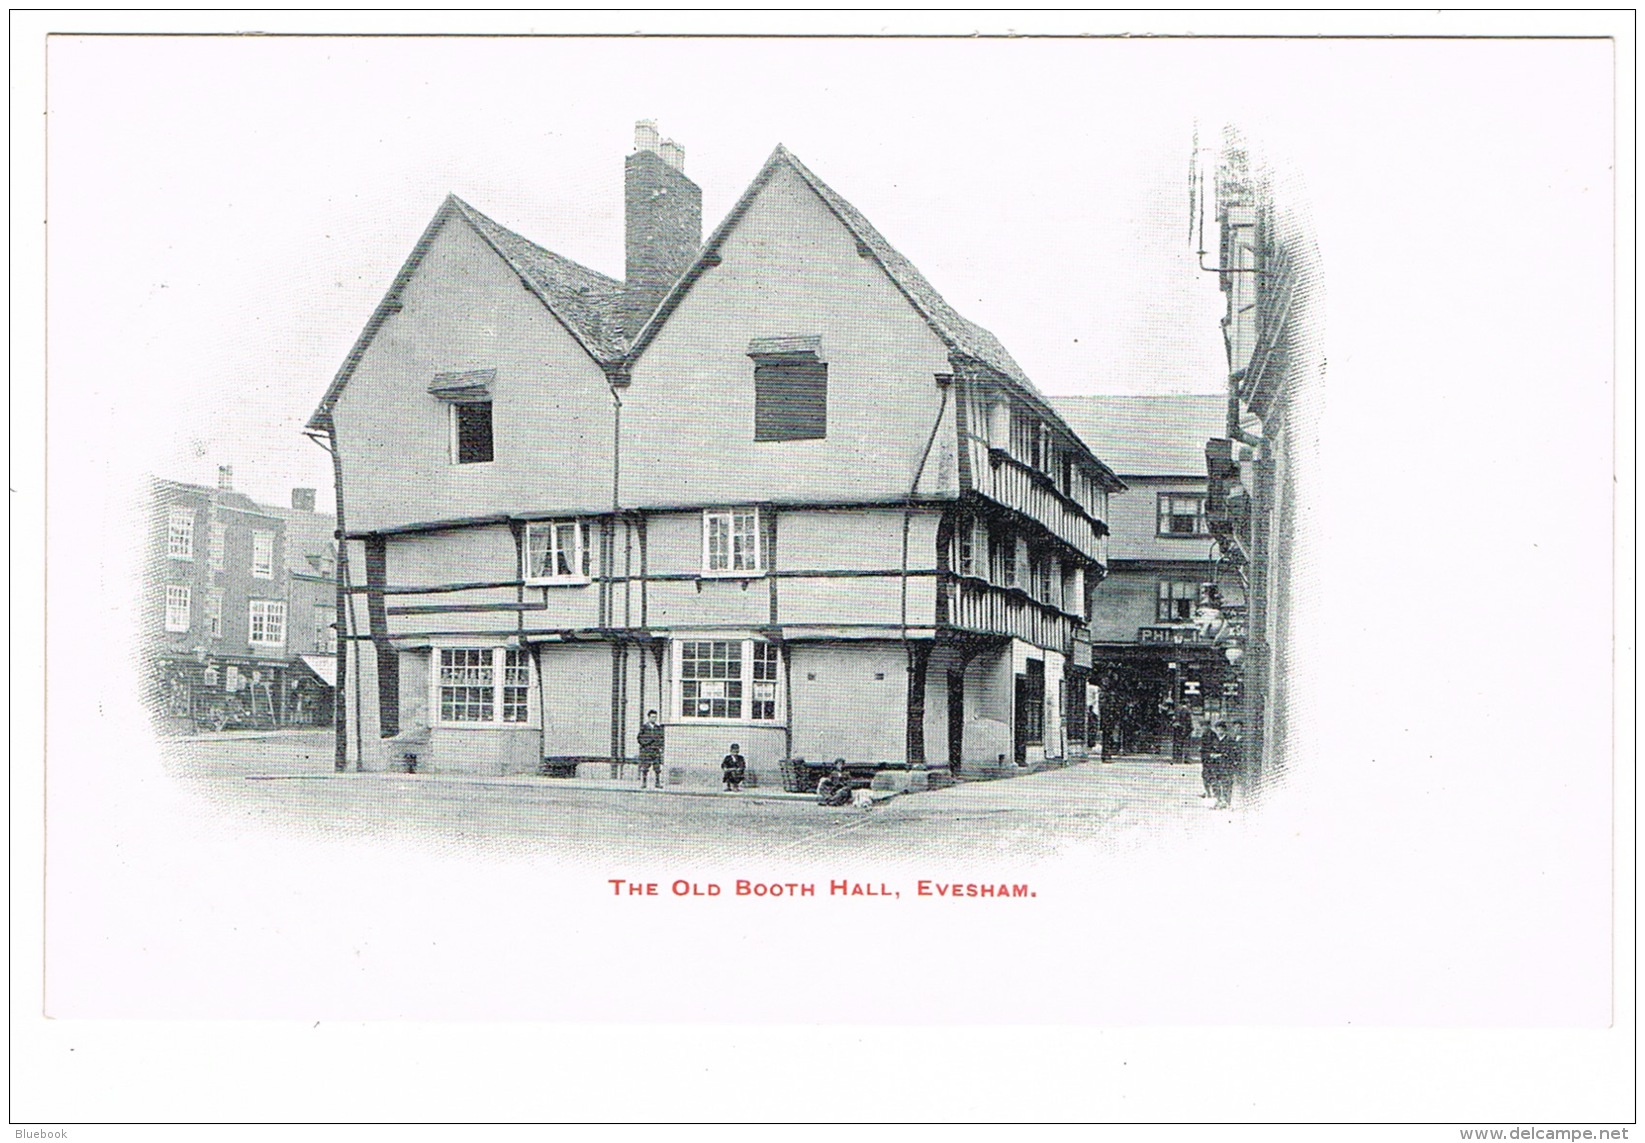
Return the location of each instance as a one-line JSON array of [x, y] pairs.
[[919, 655]]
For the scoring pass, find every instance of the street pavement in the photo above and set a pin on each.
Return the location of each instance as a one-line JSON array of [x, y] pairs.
[[286, 780]]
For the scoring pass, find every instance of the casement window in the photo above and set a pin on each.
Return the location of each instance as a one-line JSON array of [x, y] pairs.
[[790, 388], [262, 555], [1045, 586], [727, 680], [1177, 600], [971, 548], [177, 608], [484, 686], [214, 612], [217, 549], [268, 622], [731, 542], [1181, 514], [556, 551], [471, 432], [1002, 558], [180, 534]]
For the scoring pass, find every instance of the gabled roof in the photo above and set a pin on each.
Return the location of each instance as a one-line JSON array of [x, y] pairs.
[[588, 303], [162, 486], [1149, 436], [963, 337], [584, 301]]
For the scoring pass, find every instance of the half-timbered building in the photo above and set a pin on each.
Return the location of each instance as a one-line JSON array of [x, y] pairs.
[[770, 485]]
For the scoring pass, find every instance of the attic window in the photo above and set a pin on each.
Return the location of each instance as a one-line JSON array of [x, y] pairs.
[[790, 388], [469, 395], [471, 432]]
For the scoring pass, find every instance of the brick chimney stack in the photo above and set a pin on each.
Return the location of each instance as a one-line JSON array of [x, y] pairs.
[[663, 215], [225, 478], [302, 499]]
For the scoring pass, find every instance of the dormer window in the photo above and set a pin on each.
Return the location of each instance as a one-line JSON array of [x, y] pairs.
[[790, 388]]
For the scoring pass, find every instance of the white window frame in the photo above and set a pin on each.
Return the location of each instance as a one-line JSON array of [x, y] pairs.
[[262, 570], [581, 555], [730, 515], [217, 547], [180, 534], [745, 704], [179, 602], [214, 612], [261, 614], [498, 655]]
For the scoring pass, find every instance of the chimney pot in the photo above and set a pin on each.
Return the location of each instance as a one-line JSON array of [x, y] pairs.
[[645, 135], [225, 477]]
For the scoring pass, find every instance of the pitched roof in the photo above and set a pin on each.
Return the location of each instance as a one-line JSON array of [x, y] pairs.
[[1148, 436], [963, 337], [588, 303], [585, 300], [161, 487]]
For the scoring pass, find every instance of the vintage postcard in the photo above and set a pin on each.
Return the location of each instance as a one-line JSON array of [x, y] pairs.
[[560, 533]]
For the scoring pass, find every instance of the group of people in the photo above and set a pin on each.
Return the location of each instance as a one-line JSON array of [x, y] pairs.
[[733, 767]]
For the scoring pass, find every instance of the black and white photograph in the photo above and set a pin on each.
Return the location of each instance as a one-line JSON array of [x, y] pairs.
[[804, 571]]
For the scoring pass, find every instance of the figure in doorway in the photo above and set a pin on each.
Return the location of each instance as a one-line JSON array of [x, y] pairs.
[[651, 749], [1182, 734]]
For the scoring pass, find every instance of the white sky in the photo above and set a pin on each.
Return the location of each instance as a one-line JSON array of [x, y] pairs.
[[225, 213]]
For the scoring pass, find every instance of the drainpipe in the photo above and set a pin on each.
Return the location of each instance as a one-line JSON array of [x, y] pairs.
[[339, 698], [616, 376], [945, 383]]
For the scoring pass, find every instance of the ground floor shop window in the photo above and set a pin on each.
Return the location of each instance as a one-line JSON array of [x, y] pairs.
[[484, 686], [727, 680]]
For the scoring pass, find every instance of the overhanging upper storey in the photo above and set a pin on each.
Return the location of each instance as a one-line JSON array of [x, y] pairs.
[[1017, 453]]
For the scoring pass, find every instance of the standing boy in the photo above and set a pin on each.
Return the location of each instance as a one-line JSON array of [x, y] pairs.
[[651, 749]]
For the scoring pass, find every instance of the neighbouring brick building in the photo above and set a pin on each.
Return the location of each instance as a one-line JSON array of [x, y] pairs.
[[772, 485], [216, 622], [1149, 654]]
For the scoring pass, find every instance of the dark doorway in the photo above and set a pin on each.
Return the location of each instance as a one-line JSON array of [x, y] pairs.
[[1030, 709]]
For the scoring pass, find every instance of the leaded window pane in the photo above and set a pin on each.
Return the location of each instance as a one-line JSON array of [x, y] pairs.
[[466, 682], [516, 685]]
